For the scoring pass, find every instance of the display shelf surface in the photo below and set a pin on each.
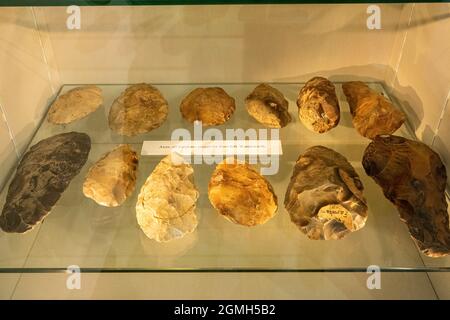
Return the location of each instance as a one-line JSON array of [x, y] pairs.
[[99, 239]]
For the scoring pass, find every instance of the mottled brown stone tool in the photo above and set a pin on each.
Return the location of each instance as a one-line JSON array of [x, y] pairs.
[[139, 109], [75, 104], [372, 113], [166, 205], [43, 174], [211, 106], [325, 195], [318, 106], [111, 180], [268, 106], [241, 194], [413, 178]]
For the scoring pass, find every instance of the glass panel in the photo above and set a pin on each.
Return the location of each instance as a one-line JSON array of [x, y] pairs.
[[80, 232]]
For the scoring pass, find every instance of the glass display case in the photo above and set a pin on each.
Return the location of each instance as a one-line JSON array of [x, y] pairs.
[[369, 82]]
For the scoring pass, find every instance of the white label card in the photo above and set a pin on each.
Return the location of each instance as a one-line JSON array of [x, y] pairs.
[[212, 147]]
